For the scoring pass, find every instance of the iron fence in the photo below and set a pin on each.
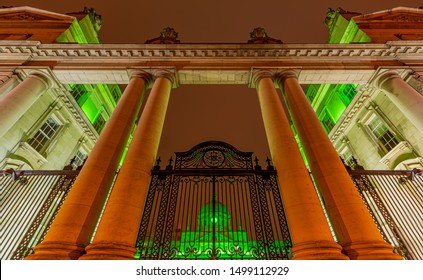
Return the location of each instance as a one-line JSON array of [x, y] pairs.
[[29, 201], [395, 201]]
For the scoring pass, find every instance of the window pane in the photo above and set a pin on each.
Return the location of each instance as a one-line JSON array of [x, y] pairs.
[[386, 137], [44, 134]]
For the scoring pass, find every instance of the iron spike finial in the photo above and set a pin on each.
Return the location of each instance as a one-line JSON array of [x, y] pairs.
[[157, 165], [269, 164], [256, 166], [170, 164]]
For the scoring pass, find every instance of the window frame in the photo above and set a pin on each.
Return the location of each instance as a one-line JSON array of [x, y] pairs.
[[49, 139]]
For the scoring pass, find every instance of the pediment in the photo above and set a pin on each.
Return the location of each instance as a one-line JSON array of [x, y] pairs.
[[32, 14], [400, 14]]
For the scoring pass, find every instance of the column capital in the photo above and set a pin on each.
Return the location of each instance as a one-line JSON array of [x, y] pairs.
[[146, 76], [281, 76], [258, 74], [379, 81], [45, 78], [275, 74], [169, 74]]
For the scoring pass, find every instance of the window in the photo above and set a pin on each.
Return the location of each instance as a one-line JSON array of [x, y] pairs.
[[347, 93], [311, 92], [386, 138], [78, 91], [78, 159], [115, 92], [327, 121], [44, 135], [348, 157], [99, 123]]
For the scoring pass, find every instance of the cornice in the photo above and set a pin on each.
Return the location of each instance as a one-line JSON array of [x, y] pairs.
[[84, 52]]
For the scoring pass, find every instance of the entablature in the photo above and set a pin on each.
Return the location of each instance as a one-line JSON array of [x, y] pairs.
[[211, 63]]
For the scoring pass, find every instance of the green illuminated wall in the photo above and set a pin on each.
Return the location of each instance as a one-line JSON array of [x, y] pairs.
[[329, 101], [96, 101]]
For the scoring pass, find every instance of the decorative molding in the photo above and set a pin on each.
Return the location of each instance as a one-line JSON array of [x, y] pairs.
[[211, 50]]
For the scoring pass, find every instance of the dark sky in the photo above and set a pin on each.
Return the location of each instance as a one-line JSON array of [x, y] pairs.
[[226, 113]]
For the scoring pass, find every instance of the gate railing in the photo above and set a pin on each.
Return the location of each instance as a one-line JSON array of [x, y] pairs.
[[213, 214], [29, 201], [395, 202], [213, 203]]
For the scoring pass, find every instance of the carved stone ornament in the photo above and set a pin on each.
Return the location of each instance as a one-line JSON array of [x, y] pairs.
[[23, 16], [330, 16], [167, 36], [259, 36], [408, 18]]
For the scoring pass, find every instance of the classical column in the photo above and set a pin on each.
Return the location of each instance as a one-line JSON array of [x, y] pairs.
[[7, 84], [73, 227], [309, 229], [14, 104], [117, 232], [350, 218], [406, 98]]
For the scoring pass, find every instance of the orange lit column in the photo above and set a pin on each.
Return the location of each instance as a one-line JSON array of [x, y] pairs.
[[73, 227], [350, 218], [309, 229], [14, 104], [406, 98], [117, 232]]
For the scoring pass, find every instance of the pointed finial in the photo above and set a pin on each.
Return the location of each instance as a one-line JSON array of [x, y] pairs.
[[269, 164], [170, 164], [256, 166], [157, 165]]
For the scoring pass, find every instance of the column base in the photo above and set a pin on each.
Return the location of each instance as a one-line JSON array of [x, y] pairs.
[[57, 251], [318, 250], [108, 251], [369, 250]]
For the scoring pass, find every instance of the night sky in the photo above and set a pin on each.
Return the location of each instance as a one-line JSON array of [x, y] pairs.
[[226, 113]]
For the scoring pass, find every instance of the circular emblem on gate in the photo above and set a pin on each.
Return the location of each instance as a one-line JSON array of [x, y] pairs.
[[213, 158]]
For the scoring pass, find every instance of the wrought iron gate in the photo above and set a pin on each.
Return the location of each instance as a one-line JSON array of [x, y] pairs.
[[214, 204]]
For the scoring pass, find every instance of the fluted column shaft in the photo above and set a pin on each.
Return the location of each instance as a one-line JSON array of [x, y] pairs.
[[72, 229], [309, 229], [406, 98], [350, 218], [14, 104], [117, 232]]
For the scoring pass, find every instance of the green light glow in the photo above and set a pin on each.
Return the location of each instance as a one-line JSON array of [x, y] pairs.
[[214, 231], [90, 109]]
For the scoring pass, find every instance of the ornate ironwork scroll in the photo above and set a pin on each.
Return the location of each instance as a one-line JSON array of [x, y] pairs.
[[213, 205]]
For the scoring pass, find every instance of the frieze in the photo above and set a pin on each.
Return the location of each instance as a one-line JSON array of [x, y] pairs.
[[278, 50]]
